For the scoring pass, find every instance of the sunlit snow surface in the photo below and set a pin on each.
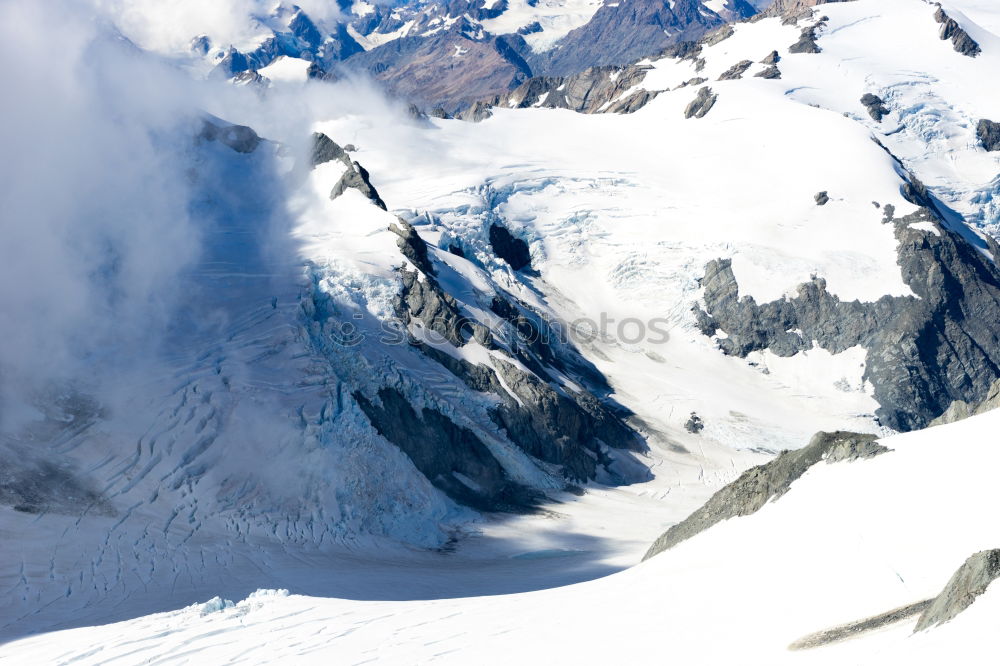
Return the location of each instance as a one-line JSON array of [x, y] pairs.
[[622, 213]]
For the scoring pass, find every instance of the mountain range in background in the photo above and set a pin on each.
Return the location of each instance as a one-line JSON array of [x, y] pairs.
[[449, 55]]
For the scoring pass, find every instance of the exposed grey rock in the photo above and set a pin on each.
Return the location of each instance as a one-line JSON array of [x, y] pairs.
[[621, 33], [477, 112], [759, 485], [772, 59], [571, 430], [989, 134], [960, 409], [970, 581], [437, 311], [771, 72], [736, 71], [440, 113], [568, 430], [250, 78], [412, 246], [702, 103], [633, 102], [530, 29], [423, 68], [717, 36], [855, 629], [694, 424], [240, 138], [453, 458], [792, 11], [356, 176], [557, 428], [876, 107], [325, 149], [595, 90], [923, 353], [848, 449], [508, 247], [696, 81], [960, 39], [807, 40], [822, 198]]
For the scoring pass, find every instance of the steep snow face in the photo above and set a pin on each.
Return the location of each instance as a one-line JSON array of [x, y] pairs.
[[901, 524]]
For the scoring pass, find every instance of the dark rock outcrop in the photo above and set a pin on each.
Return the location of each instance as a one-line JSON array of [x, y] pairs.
[[701, 104], [924, 352], [476, 113], [240, 138], [759, 485], [807, 40], [960, 39], [771, 72], [854, 629], [822, 198], [452, 68], [736, 71], [508, 247], [960, 409], [530, 29], [325, 149], [595, 90], [694, 424], [356, 177], [772, 59], [970, 581], [988, 133], [437, 311], [412, 246], [621, 33], [573, 430], [453, 458], [876, 107]]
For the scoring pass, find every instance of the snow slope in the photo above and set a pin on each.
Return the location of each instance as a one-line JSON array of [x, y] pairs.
[[238, 461], [739, 593]]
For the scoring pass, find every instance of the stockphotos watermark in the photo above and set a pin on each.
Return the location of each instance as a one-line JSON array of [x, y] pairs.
[[445, 330]]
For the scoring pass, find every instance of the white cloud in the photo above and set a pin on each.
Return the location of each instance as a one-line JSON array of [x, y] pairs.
[[95, 227]]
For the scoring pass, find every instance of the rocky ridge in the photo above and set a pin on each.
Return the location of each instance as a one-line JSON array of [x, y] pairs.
[[765, 483]]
